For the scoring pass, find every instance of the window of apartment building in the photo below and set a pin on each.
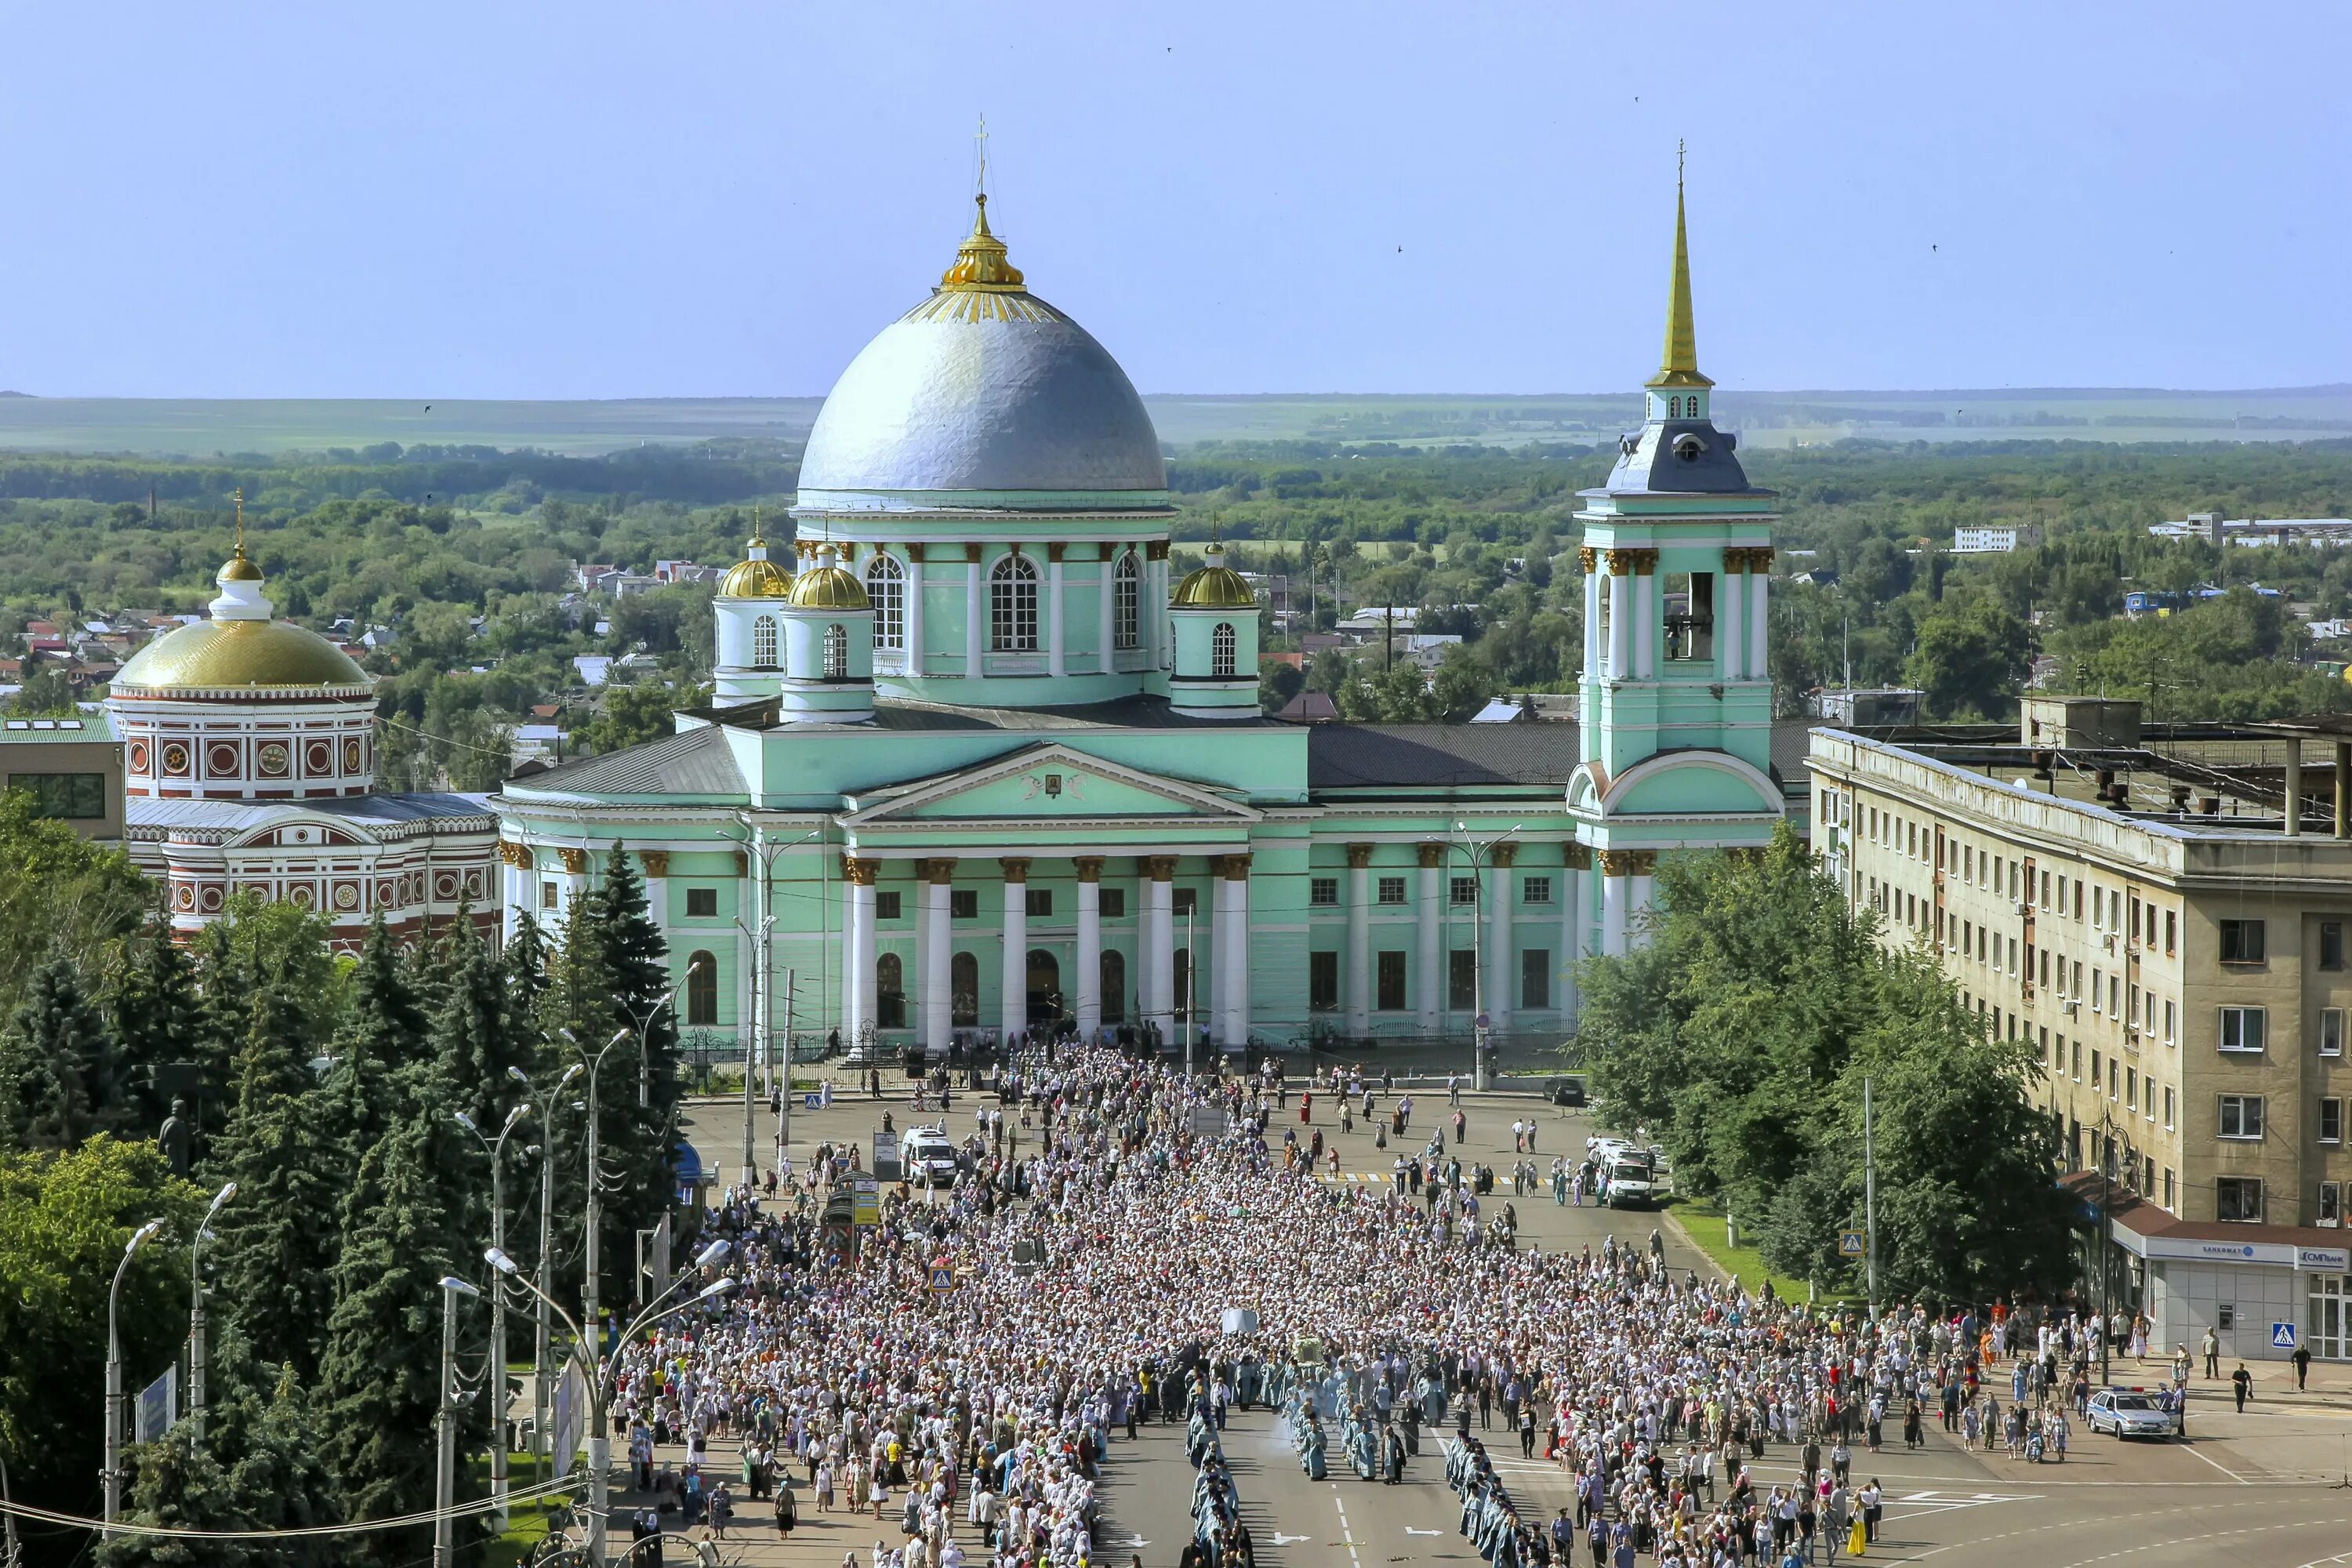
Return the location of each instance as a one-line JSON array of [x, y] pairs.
[[2076, 1070], [1391, 890], [2242, 1028], [2171, 930], [2116, 994], [2238, 1199], [2168, 1186], [2112, 1065], [2331, 1204], [2241, 941], [2168, 1105], [1535, 890], [2097, 1057], [2331, 1031], [1322, 980], [1323, 892], [2241, 1116], [963, 903], [2045, 1045], [2169, 1035], [1113, 905], [1535, 977], [2331, 1121], [2098, 907], [2131, 1088], [2098, 992], [2076, 989], [701, 903], [1463, 889], [890, 906], [2135, 916], [66, 797], [1967, 862], [2331, 944], [1389, 981], [1462, 980], [2078, 898], [2012, 957]]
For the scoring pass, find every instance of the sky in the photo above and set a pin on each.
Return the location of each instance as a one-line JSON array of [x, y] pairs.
[[597, 199]]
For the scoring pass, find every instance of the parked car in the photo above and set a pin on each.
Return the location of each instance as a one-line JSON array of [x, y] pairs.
[[2130, 1412]]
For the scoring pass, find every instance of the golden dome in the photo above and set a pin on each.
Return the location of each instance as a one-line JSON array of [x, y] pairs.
[[1212, 585], [755, 576], [240, 569], [826, 587], [241, 654], [980, 266]]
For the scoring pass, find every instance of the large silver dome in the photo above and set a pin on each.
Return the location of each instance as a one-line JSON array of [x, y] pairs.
[[983, 395]]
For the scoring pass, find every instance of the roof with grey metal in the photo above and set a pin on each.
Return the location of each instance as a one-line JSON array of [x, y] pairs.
[[695, 762]]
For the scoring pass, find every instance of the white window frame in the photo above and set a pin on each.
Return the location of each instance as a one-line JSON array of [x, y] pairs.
[[2234, 1022], [886, 584], [2330, 1102], [2331, 1031], [2244, 1112]]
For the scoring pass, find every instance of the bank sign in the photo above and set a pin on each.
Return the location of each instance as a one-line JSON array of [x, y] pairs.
[[2260, 1254]]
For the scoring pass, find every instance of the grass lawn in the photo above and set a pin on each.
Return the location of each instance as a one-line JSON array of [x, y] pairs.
[[526, 1520], [1706, 1227]]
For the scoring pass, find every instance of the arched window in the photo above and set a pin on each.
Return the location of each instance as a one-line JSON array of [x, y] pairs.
[[964, 991], [1673, 407], [1126, 597], [1013, 605], [890, 992], [836, 652], [886, 584], [701, 990], [1222, 648], [764, 643], [1114, 987]]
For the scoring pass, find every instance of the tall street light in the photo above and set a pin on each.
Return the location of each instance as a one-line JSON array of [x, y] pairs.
[[763, 851], [497, 1153], [595, 1067], [540, 1365], [1460, 840], [445, 1482], [644, 1028], [585, 1360], [196, 1318], [113, 1475]]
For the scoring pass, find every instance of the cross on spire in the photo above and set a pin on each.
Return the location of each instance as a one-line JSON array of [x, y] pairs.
[[239, 494], [980, 167]]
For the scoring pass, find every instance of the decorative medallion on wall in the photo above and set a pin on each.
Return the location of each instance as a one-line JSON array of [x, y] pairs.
[[274, 760], [138, 756], [221, 760], [317, 759], [352, 755], [175, 760]]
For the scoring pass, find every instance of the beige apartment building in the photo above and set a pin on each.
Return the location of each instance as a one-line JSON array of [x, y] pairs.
[[2136, 906]]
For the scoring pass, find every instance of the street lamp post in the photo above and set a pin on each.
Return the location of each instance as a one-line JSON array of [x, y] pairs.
[[763, 853], [113, 1475], [1478, 853], [445, 1482], [196, 1318], [644, 1028], [538, 1362], [497, 1153], [586, 1362], [596, 1221]]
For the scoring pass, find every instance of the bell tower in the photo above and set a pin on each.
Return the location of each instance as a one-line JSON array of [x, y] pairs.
[[1676, 705]]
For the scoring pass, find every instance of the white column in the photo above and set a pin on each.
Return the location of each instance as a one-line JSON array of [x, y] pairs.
[[1056, 656], [1621, 621], [914, 614], [854, 959], [1612, 910], [1571, 932], [868, 988], [1103, 597], [1359, 939], [1159, 949], [1155, 605], [1089, 987], [1591, 669], [1498, 941], [976, 617], [1730, 647], [937, 955], [1429, 941], [1013, 1010], [1756, 623], [1637, 899], [1645, 625], [1229, 941]]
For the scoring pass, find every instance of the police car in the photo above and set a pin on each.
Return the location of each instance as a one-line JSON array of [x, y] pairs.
[[2130, 1412]]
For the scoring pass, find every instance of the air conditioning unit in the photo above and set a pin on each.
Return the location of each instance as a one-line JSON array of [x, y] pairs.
[[2024, 907], [2108, 941], [2072, 1007]]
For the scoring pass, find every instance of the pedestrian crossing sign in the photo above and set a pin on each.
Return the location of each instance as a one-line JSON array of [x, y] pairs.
[[942, 1277], [2282, 1336], [1850, 1243]]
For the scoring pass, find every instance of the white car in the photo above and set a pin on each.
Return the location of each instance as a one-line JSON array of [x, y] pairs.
[[2129, 1413], [926, 1154]]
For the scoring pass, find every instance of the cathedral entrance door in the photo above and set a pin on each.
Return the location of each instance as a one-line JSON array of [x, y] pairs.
[[1046, 1000]]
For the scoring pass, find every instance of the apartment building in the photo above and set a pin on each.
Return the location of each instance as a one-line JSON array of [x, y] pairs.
[[2145, 911]]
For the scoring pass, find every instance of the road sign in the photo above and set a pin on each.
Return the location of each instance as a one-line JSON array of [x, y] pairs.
[[1850, 1243], [2282, 1336], [865, 1201], [813, 1101], [942, 1277]]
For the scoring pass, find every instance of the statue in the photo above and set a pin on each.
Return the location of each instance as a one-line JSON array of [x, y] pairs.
[[177, 1138]]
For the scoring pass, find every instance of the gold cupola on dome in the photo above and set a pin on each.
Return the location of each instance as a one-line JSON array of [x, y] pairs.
[[755, 576], [980, 265], [1212, 585]]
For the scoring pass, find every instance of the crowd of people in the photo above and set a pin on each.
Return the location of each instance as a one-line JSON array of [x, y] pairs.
[[1112, 1218]]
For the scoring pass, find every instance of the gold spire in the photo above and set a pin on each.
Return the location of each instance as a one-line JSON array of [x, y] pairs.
[[1680, 365], [239, 569]]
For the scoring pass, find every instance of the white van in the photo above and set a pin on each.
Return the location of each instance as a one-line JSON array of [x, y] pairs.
[[926, 1154], [1631, 1181]]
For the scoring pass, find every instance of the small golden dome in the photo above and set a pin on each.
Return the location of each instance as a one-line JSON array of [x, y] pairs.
[[1212, 585], [755, 576], [980, 266], [212, 655], [826, 587], [240, 569]]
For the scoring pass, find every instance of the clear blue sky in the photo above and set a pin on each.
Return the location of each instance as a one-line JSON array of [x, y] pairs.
[[592, 199]]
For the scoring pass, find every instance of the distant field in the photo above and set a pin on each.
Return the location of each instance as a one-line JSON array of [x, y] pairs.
[[202, 427]]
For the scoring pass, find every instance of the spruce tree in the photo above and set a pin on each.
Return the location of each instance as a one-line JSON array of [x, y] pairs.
[[61, 1057], [379, 1376], [158, 1016], [633, 958], [382, 1040]]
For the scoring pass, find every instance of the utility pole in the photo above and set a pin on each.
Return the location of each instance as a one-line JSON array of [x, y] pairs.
[[196, 1318], [445, 1478], [1870, 1194]]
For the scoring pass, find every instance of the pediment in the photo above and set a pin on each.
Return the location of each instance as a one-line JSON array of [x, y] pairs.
[[1045, 782]]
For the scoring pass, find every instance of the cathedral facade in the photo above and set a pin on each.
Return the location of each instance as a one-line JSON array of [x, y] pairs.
[[976, 762]]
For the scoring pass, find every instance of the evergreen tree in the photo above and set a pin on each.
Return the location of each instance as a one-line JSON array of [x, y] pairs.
[[380, 1043], [64, 1076], [634, 961], [379, 1376], [158, 1016]]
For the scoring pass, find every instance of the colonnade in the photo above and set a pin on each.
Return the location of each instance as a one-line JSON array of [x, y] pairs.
[[1635, 616]]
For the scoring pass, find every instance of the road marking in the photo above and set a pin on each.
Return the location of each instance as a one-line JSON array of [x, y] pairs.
[[1347, 1536], [2215, 1463], [1282, 1540], [2214, 1535], [1410, 1531]]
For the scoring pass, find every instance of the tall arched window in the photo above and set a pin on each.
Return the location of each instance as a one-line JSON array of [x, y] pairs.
[[890, 992], [1114, 987], [1126, 597], [1013, 605], [964, 991], [886, 584], [836, 652], [1221, 643], [701, 990], [763, 642], [1673, 407]]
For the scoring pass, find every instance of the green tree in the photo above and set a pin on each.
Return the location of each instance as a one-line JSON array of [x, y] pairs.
[[1971, 657], [632, 716], [61, 1065], [157, 1015], [45, 694], [1278, 680], [60, 896]]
